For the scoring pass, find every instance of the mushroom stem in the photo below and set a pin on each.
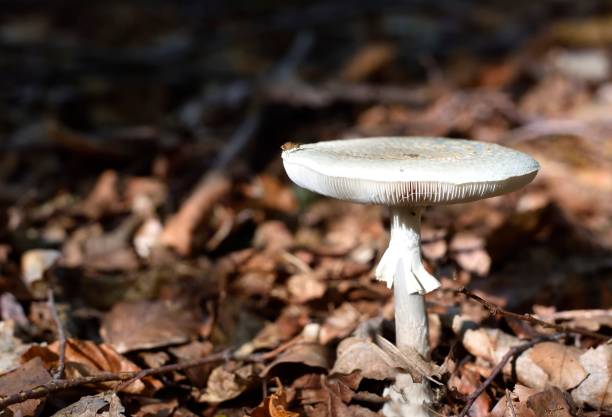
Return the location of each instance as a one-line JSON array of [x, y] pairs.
[[402, 267]]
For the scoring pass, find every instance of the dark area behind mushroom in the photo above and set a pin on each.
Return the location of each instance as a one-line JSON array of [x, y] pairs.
[[141, 182]]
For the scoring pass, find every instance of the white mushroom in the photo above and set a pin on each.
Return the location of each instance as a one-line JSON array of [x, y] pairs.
[[408, 174]]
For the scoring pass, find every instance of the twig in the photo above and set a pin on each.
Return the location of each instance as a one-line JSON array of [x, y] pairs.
[[64, 384], [513, 351], [494, 310], [61, 336]]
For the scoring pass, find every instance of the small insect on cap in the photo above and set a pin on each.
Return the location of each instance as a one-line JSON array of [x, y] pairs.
[[408, 171]]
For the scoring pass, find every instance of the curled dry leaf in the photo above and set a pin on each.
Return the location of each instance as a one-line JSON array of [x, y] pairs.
[[105, 404], [228, 381], [274, 405], [85, 358], [29, 375], [149, 324]]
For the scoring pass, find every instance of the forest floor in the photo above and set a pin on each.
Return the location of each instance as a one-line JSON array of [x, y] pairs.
[[155, 260]]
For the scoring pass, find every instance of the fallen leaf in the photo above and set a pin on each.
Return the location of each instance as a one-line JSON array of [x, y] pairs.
[[228, 381], [105, 404], [553, 401], [468, 382], [272, 236], [153, 407], [29, 375], [85, 358], [311, 355], [596, 389], [517, 407], [469, 252], [358, 354], [559, 362], [11, 348], [274, 405], [149, 324], [305, 287], [340, 323], [193, 351], [545, 364]]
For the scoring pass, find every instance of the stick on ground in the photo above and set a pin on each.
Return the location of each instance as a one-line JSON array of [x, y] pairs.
[[494, 310]]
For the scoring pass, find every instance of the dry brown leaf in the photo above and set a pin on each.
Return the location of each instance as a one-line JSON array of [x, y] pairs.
[[193, 351], [272, 236], [596, 389], [178, 231], [559, 362], [466, 384], [358, 354], [152, 407], [106, 404], [469, 252], [149, 324], [545, 364], [311, 355], [553, 401], [29, 375], [340, 323], [322, 396], [305, 287], [228, 381], [270, 193], [274, 405], [85, 358], [518, 403]]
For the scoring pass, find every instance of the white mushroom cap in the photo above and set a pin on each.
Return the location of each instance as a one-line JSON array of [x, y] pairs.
[[408, 171]]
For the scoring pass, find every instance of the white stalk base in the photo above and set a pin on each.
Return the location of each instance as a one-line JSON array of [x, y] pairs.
[[407, 398]]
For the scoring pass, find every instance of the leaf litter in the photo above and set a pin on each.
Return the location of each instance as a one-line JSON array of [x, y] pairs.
[[162, 250]]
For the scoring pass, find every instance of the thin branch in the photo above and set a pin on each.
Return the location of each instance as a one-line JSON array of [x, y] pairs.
[[513, 351], [61, 336], [64, 384], [495, 309]]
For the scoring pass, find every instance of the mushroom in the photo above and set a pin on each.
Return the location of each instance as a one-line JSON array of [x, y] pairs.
[[407, 174]]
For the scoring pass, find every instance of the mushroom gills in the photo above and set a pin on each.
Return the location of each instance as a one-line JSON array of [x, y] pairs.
[[402, 259]]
